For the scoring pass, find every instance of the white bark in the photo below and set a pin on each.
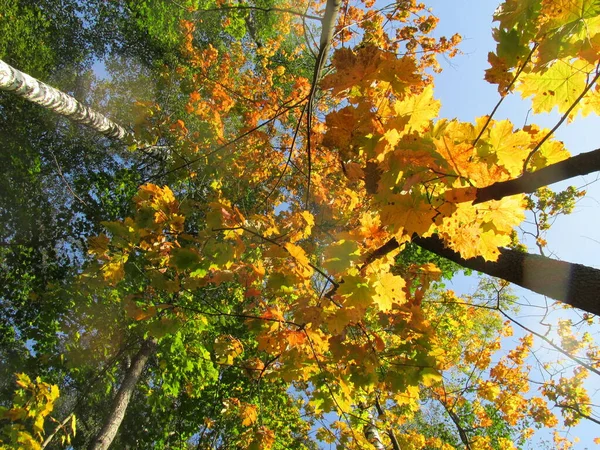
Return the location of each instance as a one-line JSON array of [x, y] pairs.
[[29, 88], [372, 433]]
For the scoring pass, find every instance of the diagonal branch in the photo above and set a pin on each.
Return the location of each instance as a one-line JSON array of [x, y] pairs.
[[574, 284], [551, 343], [562, 119], [582, 164], [265, 10]]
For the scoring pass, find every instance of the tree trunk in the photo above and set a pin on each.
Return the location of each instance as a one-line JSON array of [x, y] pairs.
[[121, 400], [390, 430], [581, 164], [29, 88], [574, 284], [372, 433]]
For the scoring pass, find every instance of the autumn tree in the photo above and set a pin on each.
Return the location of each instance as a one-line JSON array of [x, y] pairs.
[[295, 189]]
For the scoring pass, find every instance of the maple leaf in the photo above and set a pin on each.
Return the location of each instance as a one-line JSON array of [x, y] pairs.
[[560, 85], [466, 235], [351, 68], [262, 439], [337, 322], [357, 290], [498, 73], [519, 13], [114, 270], [510, 147], [137, 313], [184, 258], [459, 195], [353, 171], [502, 215], [388, 288], [400, 73], [248, 414], [227, 348], [340, 255], [419, 109], [367, 64], [549, 153], [430, 376], [301, 259], [408, 213], [347, 125]]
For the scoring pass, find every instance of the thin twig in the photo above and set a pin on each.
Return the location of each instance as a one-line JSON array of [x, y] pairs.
[[258, 8], [227, 144], [560, 122], [65, 180], [489, 119], [551, 343]]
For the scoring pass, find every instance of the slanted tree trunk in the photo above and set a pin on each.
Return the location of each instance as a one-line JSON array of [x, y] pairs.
[[574, 284], [581, 164], [121, 400], [29, 88]]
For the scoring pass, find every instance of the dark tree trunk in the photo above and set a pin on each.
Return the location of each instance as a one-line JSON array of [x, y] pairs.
[[582, 164], [121, 400], [574, 284]]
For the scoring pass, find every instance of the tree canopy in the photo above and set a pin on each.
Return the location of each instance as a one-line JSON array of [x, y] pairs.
[[236, 233]]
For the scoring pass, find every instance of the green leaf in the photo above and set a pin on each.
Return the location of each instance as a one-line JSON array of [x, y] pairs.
[[184, 258], [341, 255]]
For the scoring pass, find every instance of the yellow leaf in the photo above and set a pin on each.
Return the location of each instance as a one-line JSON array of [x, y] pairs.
[[502, 215], [430, 376], [407, 213], [114, 271], [357, 290], [341, 255], [341, 317], [227, 348], [301, 259], [248, 414], [420, 109], [510, 147], [389, 291], [559, 85], [459, 195]]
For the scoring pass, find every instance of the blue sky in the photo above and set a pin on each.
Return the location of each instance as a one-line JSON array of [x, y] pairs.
[[466, 95]]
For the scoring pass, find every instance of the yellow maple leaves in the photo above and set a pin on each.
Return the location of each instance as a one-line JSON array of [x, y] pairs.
[[367, 64]]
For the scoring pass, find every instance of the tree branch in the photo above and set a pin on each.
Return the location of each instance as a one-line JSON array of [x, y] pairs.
[[582, 164], [574, 284]]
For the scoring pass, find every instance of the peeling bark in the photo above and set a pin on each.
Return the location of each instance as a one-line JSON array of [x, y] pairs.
[[27, 87]]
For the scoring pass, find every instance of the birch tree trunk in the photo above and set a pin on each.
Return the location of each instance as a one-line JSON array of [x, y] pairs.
[[121, 400], [23, 85]]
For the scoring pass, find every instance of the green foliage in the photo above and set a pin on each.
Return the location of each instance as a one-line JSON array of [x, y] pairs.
[[413, 254]]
